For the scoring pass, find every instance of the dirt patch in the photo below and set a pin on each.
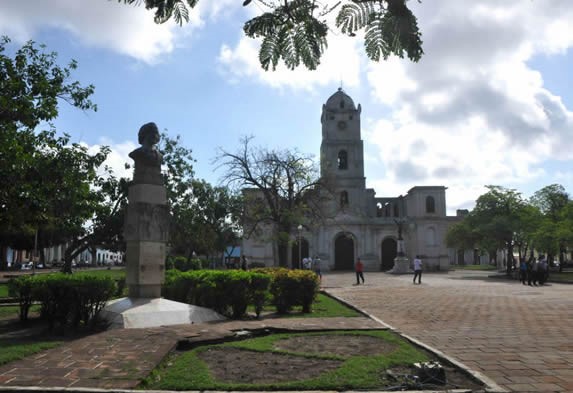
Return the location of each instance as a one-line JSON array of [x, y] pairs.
[[235, 365], [347, 345]]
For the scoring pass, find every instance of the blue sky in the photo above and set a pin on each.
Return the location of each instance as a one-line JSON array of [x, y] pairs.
[[490, 102]]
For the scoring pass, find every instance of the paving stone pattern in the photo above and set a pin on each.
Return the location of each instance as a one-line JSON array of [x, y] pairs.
[[119, 359], [519, 336]]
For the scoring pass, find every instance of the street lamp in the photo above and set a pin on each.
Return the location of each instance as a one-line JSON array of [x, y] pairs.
[[299, 243]]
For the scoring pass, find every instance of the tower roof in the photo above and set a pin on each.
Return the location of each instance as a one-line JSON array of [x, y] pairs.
[[340, 102]]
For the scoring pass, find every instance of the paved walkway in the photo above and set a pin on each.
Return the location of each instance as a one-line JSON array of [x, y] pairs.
[[119, 359], [519, 336]]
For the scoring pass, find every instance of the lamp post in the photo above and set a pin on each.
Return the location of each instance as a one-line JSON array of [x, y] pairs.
[[299, 244]]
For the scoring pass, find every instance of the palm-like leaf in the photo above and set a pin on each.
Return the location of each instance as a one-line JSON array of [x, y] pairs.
[[353, 17]]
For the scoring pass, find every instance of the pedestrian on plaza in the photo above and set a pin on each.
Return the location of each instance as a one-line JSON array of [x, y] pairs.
[[522, 270], [316, 267], [417, 269], [534, 274], [359, 269]]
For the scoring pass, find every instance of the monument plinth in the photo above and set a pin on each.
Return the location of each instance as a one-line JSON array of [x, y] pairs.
[[146, 232], [401, 262]]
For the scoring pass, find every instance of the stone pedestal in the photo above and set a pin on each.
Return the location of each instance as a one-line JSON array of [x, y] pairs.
[[146, 232], [401, 266], [127, 313]]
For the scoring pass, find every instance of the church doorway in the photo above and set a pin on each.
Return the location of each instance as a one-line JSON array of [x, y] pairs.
[[344, 252], [389, 252], [296, 258]]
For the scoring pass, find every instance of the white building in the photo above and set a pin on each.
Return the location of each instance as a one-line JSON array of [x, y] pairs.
[[360, 224]]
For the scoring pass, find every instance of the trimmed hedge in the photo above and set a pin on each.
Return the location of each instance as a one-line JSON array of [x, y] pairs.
[[66, 300], [230, 292]]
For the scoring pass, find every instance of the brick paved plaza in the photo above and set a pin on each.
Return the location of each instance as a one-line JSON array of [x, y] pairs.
[[519, 336]]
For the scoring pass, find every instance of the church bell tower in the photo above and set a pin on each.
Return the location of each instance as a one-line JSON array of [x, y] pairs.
[[342, 150]]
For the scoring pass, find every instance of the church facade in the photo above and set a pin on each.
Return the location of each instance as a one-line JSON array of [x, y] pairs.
[[360, 224]]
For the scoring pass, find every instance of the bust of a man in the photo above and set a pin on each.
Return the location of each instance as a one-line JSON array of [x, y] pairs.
[[147, 154], [147, 158]]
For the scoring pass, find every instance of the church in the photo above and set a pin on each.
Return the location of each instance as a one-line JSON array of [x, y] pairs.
[[363, 225]]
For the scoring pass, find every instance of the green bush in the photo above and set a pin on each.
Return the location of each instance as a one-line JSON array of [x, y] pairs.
[[185, 264], [290, 288], [227, 292], [65, 299], [22, 288], [258, 290]]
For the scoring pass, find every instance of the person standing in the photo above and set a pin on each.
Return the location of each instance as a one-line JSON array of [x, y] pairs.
[[316, 267], [359, 268], [417, 269]]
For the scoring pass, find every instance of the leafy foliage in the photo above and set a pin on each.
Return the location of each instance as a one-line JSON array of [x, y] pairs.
[[295, 31]]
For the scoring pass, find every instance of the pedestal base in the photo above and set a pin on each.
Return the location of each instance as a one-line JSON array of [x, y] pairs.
[[129, 313], [401, 266]]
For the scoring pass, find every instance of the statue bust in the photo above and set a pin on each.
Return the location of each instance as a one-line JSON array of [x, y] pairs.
[[147, 158]]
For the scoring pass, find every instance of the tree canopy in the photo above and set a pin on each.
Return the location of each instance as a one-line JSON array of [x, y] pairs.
[[279, 189], [503, 219], [296, 31]]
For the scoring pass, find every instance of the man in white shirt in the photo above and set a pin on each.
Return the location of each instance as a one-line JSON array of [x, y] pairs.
[[417, 269]]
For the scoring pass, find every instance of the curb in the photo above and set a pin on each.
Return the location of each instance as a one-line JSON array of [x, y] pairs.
[[491, 386]]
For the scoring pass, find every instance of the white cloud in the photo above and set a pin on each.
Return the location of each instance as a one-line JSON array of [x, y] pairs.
[[472, 111], [118, 156], [125, 29]]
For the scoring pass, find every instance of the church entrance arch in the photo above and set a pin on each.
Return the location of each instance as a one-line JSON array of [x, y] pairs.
[[344, 252], [389, 252], [296, 258]]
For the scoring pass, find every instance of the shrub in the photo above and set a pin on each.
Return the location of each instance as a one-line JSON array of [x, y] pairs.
[[22, 288], [65, 299], [258, 290], [290, 288]]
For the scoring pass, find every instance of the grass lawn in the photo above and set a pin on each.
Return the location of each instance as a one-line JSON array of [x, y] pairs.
[[14, 351], [323, 307], [3, 290], [354, 371], [13, 312], [113, 273], [473, 267]]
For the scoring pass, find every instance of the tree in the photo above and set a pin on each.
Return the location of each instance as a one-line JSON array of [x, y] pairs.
[[552, 200], [280, 188], [497, 219], [32, 86], [208, 223], [48, 180], [296, 31]]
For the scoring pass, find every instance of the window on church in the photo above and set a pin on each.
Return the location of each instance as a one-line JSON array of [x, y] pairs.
[[343, 198], [350, 117], [342, 159], [396, 211], [430, 204], [341, 104]]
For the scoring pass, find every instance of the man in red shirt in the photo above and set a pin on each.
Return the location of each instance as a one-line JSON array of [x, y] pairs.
[[359, 268]]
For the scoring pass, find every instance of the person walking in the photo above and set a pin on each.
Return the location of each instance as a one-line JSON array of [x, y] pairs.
[[359, 268], [417, 269]]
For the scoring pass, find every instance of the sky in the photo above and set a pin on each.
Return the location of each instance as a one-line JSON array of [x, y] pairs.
[[491, 101]]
